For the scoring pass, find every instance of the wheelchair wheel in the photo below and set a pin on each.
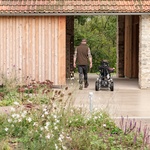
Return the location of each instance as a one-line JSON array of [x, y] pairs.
[[96, 86], [112, 86]]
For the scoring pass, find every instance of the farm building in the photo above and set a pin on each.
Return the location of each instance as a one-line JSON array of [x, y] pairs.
[[37, 37]]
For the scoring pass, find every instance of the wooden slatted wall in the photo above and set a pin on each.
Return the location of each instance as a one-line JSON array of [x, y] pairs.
[[34, 47]]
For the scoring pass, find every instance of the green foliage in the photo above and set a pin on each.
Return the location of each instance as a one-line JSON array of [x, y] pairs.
[[46, 119], [100, 32], [66, 129]]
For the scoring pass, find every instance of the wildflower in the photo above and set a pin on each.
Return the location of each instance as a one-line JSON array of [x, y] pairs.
[[9, 120], [23, 114], [47, 123], [12, 109], [6, 129], [55, 127], [104, 125], [56, 146], [46, 113], [48, 136], [95, 117], [44, 109], [64, 147], [16, 103], [29, 119], [101, 114], [46, 128], [41, 128], [15, 116], [57, 121], [55, 116], [35, 124], [61, 137], [19, 120]]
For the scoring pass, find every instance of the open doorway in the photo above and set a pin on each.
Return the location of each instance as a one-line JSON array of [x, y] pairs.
[[117, 40]]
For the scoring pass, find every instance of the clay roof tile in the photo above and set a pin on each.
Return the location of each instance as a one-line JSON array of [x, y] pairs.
[[80, 6]]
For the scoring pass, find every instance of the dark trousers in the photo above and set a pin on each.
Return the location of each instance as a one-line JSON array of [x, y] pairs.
[[83, 71]]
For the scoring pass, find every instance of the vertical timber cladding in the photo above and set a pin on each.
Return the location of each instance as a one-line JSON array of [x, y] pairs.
[[131, 46], [34, 47]]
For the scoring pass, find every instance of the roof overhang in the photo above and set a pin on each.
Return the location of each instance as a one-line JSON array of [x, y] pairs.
[[73, 7], [71, 14]]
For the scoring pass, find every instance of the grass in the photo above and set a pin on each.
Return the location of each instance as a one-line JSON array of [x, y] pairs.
[[42, 118]]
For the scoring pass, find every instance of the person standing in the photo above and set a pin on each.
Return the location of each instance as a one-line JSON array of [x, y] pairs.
[[83, 57]]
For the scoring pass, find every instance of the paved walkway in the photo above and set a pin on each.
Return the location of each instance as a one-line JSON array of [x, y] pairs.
[[127, 99]]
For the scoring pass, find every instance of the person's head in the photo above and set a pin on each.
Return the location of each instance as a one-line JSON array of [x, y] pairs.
[[83, 41]]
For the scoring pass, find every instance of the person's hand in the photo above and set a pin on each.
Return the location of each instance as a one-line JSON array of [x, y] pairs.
[[74, 65], [90, 65]]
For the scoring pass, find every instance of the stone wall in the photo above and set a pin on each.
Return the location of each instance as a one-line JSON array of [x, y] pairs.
[[144, 52]]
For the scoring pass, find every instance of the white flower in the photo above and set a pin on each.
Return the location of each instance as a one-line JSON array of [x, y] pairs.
[[6, 129], [46, 113], [19, 120], [23, 114], [55, 127], [104, 125], [43, 116], [61, 137], [95, 117], [16, 116], [44, 109], [101, 114], [41, 128], [47, 123], [16, 103], [55, 116], [56, 146], [9, 120], [64, 147], [12, 109], [29, 119], [48, 136], [35, 124], [46, 128]]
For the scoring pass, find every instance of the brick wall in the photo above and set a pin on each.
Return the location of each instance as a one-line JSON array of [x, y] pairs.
[[144, 52]]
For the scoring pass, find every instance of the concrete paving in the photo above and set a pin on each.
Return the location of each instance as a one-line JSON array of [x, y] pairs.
[[127, 99]]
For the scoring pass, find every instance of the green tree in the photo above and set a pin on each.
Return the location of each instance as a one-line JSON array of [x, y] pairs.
[[100, 32]]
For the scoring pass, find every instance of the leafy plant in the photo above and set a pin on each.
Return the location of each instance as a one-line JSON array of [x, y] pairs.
[[100, 32]]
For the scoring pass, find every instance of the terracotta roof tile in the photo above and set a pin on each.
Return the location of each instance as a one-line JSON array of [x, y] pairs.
[[74, 6]]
